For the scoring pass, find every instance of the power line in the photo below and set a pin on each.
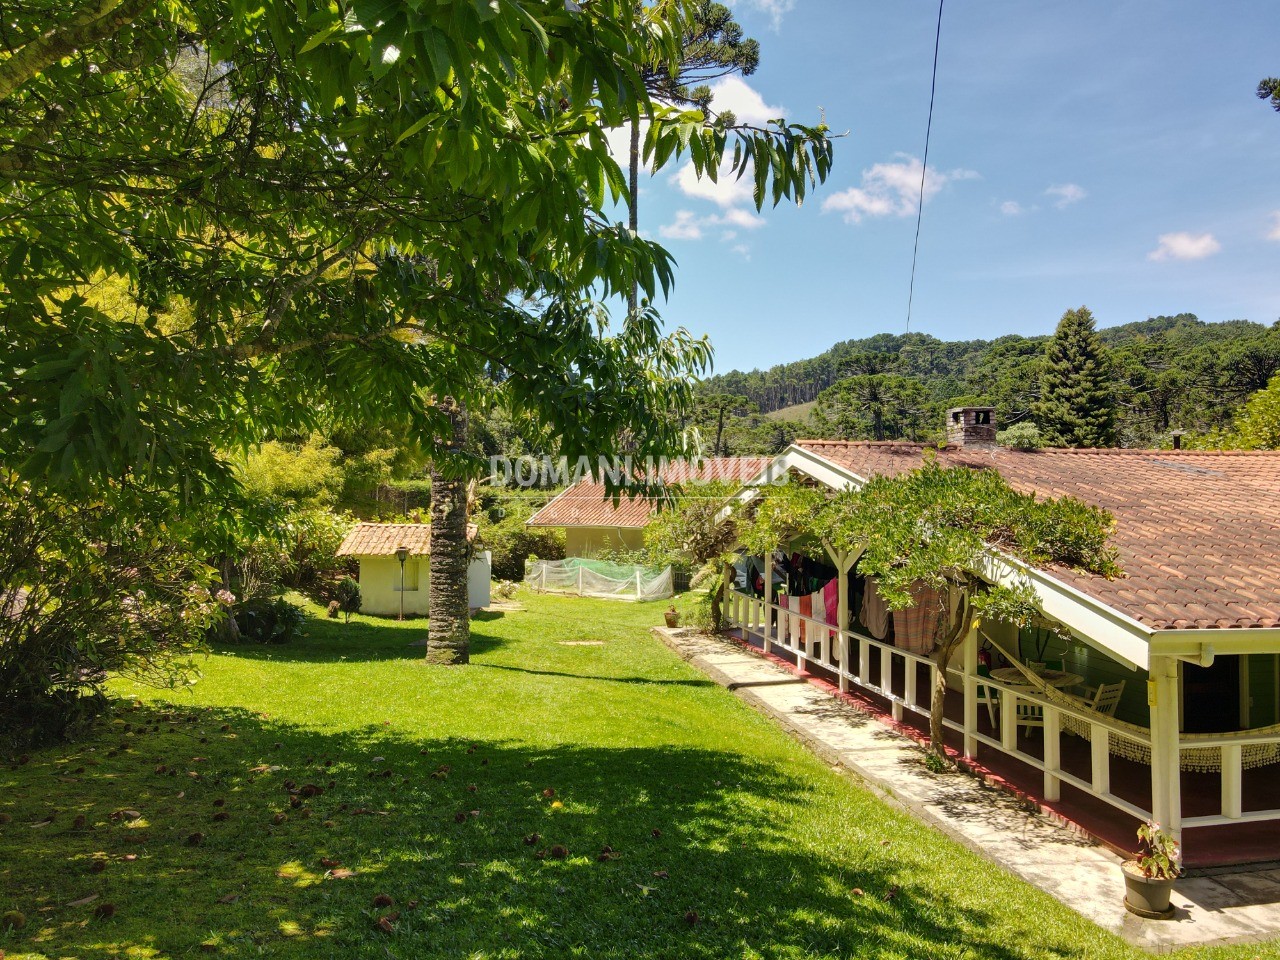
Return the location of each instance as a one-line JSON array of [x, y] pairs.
[[924, 167]]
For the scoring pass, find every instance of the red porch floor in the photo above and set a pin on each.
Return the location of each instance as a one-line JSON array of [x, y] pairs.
[[1203, 847]]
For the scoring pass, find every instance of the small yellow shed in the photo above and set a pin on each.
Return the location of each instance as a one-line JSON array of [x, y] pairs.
[[383, 579]]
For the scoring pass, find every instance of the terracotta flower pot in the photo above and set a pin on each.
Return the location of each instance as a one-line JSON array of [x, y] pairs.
[[672, 618], [1146, 896]]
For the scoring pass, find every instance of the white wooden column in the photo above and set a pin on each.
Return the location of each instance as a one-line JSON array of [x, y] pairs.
[[842, 625], [1166, 770], [970, 653], [768, 601], [1052, 753]]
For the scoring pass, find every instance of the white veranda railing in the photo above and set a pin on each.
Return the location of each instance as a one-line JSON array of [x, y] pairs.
[[906, 680]]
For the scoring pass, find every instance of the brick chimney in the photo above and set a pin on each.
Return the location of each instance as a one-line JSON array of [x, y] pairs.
[[971, 426]]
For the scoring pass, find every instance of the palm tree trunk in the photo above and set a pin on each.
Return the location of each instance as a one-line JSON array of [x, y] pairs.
[[449, 633], [633, 220]]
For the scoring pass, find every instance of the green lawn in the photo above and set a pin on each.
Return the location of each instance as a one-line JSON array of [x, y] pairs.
[[728, 839]]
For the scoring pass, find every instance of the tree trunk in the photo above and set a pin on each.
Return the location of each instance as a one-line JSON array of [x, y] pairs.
[[449, 633], [633, 219], [717, 601], [947, 646], [938, 701]]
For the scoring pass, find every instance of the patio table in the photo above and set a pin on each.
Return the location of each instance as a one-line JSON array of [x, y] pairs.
[[1054, 678]]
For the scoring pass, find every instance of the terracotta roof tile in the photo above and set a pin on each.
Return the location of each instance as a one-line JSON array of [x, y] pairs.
[[1198, 532], [383, 539], [585, 504]]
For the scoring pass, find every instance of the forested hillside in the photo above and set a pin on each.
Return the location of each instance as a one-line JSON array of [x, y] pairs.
[[1167, 373]]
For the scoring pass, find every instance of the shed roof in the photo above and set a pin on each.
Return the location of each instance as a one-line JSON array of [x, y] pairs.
[[383, 539], [586, 504], [1198, 532]]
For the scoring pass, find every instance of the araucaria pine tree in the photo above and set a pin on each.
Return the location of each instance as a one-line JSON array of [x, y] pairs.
[[1077, 406]]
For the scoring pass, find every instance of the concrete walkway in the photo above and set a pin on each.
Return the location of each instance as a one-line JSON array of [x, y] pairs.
[[1224, 908]]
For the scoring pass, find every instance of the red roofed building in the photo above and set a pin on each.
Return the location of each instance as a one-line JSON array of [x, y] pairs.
[[1169, 700], [593, 522]]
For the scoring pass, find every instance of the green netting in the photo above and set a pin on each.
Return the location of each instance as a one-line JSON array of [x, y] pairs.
[[599, 578]]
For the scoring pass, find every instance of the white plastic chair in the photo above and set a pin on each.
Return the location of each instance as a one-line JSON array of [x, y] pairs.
[[1030, 715], [1104, 698], [991, 697]]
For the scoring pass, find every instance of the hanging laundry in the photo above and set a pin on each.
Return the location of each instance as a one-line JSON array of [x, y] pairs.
[[831, 601], [874, 614], [915, 628]]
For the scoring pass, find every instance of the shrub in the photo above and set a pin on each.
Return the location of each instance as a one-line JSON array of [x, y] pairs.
[[348, 597], [111, 586], [502, 530], [1021, 436], [273, 620]]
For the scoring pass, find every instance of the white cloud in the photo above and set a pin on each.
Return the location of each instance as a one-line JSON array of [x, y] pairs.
[[1185, 246], [773, 9], [686, 226], [745, 219], [734, 93], [742, 250], [690, 226], [728, 190], [1012, 208], [891, 189], [1065, 194], [1274, 232]]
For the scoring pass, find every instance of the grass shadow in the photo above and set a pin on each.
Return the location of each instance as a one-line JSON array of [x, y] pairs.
[[209, 841]]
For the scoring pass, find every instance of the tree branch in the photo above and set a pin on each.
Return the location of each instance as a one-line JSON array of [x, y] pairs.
[[96, 21]]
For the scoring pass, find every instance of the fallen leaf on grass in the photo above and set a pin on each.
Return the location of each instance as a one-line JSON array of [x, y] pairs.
[[229, 898], [329, 864], [662, 874], [83, 901], [342, 873], [383, 900], [891, 893], [857, 892]]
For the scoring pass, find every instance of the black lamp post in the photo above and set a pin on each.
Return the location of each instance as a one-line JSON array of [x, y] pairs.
[[402, 554]]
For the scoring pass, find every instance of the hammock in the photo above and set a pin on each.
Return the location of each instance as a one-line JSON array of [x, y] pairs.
[[1133, 742]]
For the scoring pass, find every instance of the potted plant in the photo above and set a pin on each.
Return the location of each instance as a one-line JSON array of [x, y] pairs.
[[1149, 877], [672, 616]]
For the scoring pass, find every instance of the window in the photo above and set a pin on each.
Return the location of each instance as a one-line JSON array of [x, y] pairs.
[[410, 576]]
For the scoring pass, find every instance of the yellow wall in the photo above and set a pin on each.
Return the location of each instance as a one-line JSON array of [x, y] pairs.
[[380, 585], [587, 541]]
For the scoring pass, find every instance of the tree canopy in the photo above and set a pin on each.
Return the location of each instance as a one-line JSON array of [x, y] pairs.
[[335, 211]]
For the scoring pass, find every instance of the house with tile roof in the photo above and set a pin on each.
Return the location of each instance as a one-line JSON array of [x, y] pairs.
[[395, 568], [1156, 694], [594, 522]]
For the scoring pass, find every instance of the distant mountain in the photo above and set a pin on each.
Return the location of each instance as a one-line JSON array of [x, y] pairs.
[[1175, 371]]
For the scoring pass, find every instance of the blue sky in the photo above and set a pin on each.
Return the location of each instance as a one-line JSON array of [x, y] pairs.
[[1099, 153]]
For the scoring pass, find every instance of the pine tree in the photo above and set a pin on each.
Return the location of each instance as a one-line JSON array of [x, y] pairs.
[[712, 47], [1077, 406]]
